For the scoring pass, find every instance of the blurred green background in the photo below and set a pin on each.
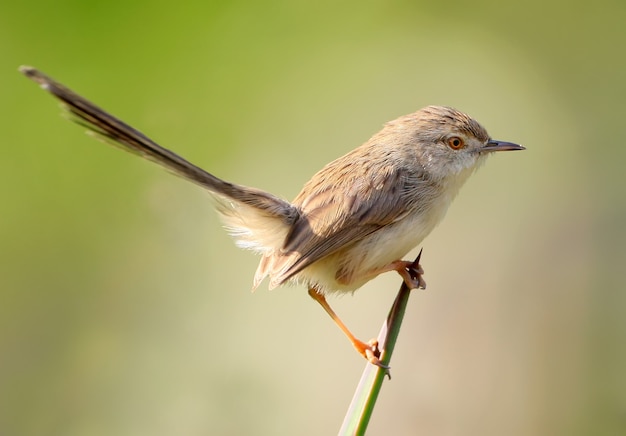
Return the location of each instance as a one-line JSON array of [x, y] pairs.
[[126, 310]]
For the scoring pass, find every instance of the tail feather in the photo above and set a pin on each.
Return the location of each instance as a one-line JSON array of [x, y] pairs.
[[256, 218]]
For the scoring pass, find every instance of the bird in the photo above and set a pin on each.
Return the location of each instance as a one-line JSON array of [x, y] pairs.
[[353, 220]]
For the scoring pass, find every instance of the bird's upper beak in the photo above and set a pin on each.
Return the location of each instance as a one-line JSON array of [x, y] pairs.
[[494, 145]]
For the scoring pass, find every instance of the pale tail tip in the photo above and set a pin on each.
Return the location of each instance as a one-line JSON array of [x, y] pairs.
[[34, 74], [26, 70]]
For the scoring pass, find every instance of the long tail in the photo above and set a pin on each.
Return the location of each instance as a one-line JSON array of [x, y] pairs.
[[246, 219]]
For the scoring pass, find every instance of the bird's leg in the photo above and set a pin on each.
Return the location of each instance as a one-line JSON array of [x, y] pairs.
[[368, 350], [407, 269]]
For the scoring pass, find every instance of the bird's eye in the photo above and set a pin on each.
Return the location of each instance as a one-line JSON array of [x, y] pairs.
[[456, 143]]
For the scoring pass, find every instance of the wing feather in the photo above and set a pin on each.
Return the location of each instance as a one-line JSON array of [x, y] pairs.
[[336, 215]]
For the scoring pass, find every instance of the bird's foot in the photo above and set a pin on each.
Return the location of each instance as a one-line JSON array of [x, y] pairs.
[[370, 351], [411, 272]]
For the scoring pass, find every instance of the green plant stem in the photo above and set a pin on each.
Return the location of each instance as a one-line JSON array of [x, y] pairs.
[[364, 399]]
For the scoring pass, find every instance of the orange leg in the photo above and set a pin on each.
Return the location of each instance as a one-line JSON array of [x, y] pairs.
[[368, 350], [412, 276]]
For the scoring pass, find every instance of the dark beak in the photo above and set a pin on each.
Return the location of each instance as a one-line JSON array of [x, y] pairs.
[[493, 145]]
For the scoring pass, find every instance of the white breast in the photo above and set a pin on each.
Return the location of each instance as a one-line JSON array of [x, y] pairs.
[[379, 249]]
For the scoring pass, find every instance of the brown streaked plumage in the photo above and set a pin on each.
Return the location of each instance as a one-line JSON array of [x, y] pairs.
[[356, 218]]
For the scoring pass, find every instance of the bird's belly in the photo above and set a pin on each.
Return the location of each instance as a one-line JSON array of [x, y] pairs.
[[359, 263]]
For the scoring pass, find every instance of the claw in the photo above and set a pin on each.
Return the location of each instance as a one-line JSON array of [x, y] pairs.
[[416, 271], [371, 352], [417, 280]]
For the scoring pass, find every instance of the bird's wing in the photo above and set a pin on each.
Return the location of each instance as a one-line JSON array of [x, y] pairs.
[[336, 215]]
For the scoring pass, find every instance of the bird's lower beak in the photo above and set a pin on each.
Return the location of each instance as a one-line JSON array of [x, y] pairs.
[[493, 145]]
